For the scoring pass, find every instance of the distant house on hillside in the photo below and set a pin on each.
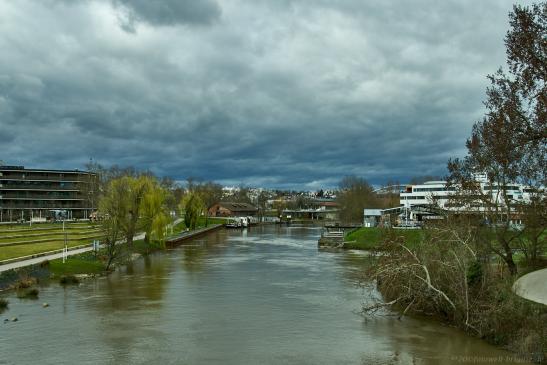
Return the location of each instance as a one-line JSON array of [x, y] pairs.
[[228, 209]]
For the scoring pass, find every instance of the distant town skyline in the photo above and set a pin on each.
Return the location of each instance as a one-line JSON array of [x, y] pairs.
[[276, 94]]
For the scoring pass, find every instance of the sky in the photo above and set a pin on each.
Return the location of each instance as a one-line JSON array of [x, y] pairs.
[[262, 93]]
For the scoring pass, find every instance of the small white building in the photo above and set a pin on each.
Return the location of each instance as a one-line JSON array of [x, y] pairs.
[[371, 217]]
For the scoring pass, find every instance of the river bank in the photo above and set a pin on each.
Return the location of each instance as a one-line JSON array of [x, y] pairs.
[[265, 295], [438, 272], [88, 263]]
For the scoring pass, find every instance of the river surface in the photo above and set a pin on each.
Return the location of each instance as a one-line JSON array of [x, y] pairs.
[[261, 296]]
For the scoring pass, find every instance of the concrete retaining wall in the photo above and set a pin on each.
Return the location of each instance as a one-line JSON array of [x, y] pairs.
[[191, 234]]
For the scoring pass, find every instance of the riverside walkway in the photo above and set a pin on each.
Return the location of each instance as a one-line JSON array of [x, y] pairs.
[[533, 286]]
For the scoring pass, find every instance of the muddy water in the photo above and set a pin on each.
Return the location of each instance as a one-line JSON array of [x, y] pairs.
[[262, 296]]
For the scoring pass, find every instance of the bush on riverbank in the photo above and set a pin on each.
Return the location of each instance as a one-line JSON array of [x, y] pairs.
[[4, 303], [446, 275], [25, 282], [68, 280], [28, 294]]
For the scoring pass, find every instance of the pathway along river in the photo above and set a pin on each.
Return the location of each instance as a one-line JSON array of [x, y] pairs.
[[262, 296]]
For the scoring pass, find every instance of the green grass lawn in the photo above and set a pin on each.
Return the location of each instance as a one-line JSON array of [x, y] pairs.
[[76, 237], [10, 252], [370, 238], [50, 237], [88, 263], [85, 263], [366, 238], [43, 238], [42, 226], [43, 233]]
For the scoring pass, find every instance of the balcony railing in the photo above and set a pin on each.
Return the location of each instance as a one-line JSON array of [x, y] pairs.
[[51, 196], [37, 187], [46, 178], [33, 204]]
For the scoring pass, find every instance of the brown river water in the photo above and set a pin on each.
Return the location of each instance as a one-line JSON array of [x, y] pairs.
[[265, 295]]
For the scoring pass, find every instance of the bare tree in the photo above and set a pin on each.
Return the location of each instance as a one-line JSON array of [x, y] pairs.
[[510, 143], [210, 193], [355, 195]]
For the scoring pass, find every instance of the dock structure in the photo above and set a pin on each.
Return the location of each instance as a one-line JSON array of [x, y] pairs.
[[333, 234], [342, 226], [331, 239]]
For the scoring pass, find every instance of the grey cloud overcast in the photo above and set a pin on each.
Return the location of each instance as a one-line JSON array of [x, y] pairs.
[[275, 93]]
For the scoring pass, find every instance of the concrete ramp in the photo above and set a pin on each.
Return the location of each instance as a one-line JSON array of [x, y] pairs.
[[533, 286]]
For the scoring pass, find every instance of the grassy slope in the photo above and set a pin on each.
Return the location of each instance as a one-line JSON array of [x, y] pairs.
[[58, 236], [371, 238], [41, 226], [30, 249], [79, 264], [364, 238], [50, 231], [86, 263]]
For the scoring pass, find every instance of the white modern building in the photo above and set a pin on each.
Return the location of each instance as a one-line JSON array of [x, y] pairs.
[[432, 199], [438, 194], [430, 192]]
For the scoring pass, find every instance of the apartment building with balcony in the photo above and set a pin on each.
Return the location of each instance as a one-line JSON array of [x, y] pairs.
[[39, 194]]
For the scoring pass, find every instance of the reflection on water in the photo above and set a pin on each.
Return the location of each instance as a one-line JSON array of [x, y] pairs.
[[265, 295]]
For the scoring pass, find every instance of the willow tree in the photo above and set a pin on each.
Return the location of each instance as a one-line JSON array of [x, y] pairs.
[[192, 207], [154, 216], [136, 190], [124, 199]]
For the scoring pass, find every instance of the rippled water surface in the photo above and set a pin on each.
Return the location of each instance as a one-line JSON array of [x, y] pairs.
[[262, 296]]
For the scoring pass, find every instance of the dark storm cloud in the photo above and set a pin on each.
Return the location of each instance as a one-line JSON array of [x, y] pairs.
[[276, 93], [171, 12]]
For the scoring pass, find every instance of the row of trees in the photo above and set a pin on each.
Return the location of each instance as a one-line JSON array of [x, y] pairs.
[[131, 202]]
